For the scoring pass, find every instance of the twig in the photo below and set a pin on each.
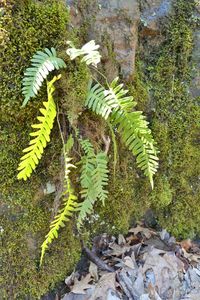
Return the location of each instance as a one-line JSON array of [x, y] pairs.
[[106, 141], [126, 285], [96, 260]]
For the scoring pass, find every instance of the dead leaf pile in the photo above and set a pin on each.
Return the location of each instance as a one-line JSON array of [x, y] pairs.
[[145, 265]]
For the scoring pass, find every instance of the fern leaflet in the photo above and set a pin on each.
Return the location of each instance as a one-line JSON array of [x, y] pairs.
[[114, 103], [40, 137], [69, 207], [88, 51], [42, 63]]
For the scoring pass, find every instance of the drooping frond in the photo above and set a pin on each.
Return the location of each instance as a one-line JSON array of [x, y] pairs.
[[89, 52], [88, 164], [115, 104], [94, 179], [69, 207], [42, 63], [40, 137], [100, 176], [138, 138]]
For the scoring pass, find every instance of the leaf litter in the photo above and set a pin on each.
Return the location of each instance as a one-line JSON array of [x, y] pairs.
[[144, 265]]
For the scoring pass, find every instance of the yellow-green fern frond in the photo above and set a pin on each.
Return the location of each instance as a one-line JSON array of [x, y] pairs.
[[41, 137], [42, 63], [69, 207]]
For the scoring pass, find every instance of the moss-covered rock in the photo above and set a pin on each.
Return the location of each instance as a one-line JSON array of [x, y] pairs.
[[28, 26], [174, 124], [160, 86]]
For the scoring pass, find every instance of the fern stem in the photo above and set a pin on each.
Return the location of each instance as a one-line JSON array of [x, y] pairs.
[[60, 130], [102, 75], [115, 150]]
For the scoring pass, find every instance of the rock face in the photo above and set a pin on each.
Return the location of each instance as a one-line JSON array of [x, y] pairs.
[[115, 27], [149, 43]]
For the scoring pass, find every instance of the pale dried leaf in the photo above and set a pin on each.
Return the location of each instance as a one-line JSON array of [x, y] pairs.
[[93, 270], [121, 240], [118, 250], [129, 262], [165, 269], [145, 231], [106, 282], [80, 286]]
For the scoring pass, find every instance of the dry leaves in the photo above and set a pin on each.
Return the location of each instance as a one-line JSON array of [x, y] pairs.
[[149, 267]]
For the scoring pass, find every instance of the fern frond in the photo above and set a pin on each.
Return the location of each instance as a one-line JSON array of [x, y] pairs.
[[88, 51], [40, 137], [114, 103], [87, 148], [94, 179], [100, 177], [69, 207], [103, 102], [42, 63], [85, 208], [88, 164], [138, 138]]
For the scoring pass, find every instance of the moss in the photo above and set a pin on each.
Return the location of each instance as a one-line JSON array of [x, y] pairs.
[[26, 212], [174, 111]]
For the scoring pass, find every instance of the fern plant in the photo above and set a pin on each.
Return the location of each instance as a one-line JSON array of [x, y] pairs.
[[69, 204], [41, 137], [94, 179], [42, 63], [113, 103]]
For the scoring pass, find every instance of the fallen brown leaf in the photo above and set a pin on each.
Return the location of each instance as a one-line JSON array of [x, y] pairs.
[[186, 244], [145, 231], [118, 250]]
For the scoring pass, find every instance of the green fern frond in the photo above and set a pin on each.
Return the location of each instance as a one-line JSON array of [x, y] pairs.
[[137, 137], [40, 137], [114, 103], [87, 148], [69, 207], [103, 102], [42, 63], [88, 51], [100, 177], [94, 179], [85, 208], [87, 162]]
